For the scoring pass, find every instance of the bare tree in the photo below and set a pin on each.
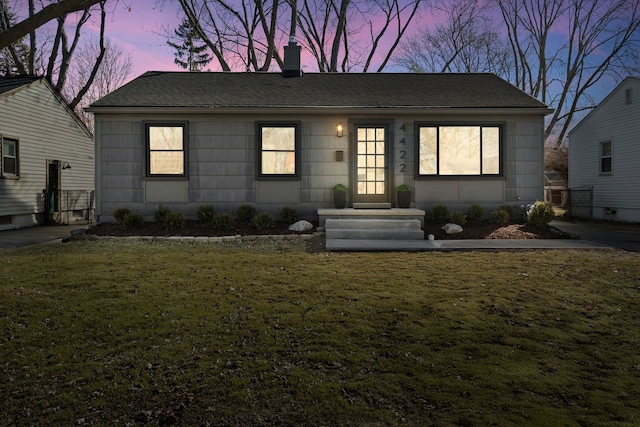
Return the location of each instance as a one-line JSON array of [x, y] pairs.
[[340, 35], [556, 159], [463, 40], [114, 70], [352, 34], [34, 21], [240, 36], [602, 39]]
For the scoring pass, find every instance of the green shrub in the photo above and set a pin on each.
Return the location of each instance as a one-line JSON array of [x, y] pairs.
[[540, 214], [132, 221], [160, 214], [475, 212], [174, 220], [440, 213], [510, 209], [206, 213], [263, 221], [222, 222], [289, 215], [119, 215], [340, 188], [458, 218], [246, 213], [500, 216], [403, 188]]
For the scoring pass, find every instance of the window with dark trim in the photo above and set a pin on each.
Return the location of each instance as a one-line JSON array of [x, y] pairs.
[[166, 146], [278, 149], [606, 157], [9, 155], [458, 150]]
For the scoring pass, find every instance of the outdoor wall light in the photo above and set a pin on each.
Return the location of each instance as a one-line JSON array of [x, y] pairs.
[[66, 165], [339, 128]]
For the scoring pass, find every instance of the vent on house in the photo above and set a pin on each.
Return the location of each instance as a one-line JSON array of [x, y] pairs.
[[628, 96]]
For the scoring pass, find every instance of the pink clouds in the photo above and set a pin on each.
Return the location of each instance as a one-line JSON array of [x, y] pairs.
[[139, 28]]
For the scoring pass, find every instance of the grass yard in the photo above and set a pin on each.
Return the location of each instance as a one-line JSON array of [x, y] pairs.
[[125, 333]]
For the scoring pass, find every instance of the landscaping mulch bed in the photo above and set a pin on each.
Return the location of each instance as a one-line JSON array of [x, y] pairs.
[[471, 230]]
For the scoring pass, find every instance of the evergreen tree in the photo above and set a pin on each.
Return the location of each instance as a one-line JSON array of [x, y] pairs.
[[13, 59], [189, 54]]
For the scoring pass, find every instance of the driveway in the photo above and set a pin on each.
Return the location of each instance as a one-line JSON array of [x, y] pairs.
[[616, 234], [32, 235]]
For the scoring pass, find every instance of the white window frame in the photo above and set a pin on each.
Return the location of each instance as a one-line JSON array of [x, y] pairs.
[[16, 157]]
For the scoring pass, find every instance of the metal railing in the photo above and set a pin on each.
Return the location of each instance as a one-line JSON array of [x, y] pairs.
[[69, 206]]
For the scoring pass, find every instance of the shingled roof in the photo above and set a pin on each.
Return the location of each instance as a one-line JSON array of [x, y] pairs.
[[9, 83], [316, 90]]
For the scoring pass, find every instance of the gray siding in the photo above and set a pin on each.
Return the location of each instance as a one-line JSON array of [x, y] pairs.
[[613, 120], [222, 164], [45, 131]]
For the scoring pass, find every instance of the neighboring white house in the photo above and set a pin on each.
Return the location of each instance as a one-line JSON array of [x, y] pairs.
[[47, 167], [604, 154], [285, 139]]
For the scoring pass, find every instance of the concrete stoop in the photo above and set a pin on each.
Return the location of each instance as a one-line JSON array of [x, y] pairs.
[[373, 229]]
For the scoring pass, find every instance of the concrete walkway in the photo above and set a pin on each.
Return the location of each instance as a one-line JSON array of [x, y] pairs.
[[589, 235]]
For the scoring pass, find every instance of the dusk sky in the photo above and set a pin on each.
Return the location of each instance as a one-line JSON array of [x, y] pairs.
[[138, 26]]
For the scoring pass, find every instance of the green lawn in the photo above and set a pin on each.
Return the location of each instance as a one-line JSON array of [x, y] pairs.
[[125, 333]]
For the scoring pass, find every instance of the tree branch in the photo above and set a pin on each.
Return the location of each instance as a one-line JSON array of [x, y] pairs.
[[48, 13]]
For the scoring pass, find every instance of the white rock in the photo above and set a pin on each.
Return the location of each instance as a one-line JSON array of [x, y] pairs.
[[452, 228], [301, 225]]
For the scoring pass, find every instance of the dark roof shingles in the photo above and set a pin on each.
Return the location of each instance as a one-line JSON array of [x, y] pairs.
[[361, 90], [10, 83]]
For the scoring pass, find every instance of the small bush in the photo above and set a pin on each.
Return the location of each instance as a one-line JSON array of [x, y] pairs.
[[206, 213], [263, 221], [510, 209], [174, 220], [160, 214], [458, 218], [222, 222], [119, 215], [475, 212], [340, 188], [500, 216], [440, 213], [289, 215], [540, 214], [132, 221], [246, 213]]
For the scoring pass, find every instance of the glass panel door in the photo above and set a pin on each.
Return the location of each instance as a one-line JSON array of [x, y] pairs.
[[371, 164]]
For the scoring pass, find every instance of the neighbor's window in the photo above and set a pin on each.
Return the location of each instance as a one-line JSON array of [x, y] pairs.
[[605, 157], [278, 150], [166, 149], [459, 150], [9, 152]]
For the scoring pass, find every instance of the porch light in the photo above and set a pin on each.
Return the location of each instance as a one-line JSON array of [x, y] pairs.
[[339, 130]]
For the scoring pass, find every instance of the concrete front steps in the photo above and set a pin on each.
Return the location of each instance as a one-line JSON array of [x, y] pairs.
[[359, 231]]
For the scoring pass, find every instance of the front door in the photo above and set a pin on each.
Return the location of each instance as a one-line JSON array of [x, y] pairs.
[[371, 164]]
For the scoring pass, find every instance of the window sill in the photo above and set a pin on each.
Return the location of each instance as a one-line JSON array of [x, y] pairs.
[[11, 177]]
